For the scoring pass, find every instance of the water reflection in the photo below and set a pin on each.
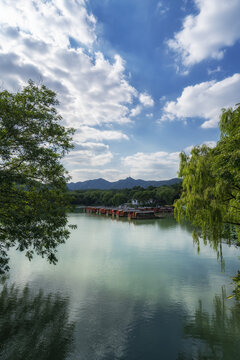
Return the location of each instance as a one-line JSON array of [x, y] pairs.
[[163, 223], [130, 288], [33, 326], [213, 335], [116, 326]]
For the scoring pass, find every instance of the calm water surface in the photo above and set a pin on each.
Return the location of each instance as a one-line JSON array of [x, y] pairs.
[[121, 290]]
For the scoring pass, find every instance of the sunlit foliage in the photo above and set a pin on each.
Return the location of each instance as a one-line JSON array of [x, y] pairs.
[[210, 197], [32, 179]]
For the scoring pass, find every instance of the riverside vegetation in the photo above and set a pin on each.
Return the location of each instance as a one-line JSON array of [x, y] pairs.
[[210, 198], [153, 196]]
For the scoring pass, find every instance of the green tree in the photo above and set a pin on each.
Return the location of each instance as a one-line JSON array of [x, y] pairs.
[[210, 197], [211, 183], [32, 179], [107, 197], [165, 195], [119, 199]]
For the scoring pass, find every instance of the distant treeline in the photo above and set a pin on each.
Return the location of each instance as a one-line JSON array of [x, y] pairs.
[[163, 195]]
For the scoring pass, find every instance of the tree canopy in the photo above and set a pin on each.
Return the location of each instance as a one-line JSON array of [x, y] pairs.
[[32, 179], [151, 196], [211, 182], [210, 196]]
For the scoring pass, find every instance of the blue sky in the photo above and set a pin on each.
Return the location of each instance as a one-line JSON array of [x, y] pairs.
[[139, 80]]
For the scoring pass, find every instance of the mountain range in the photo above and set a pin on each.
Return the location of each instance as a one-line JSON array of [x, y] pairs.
[[128, 183]]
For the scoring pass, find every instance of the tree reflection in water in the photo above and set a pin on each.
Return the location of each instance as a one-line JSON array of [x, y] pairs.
[[33, 326], [214, 336]]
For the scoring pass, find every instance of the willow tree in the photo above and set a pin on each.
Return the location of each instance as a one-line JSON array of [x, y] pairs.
[[211, 182], [211, 186], [33, 193]]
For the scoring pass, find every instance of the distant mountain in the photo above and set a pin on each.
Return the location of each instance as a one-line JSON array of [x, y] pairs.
[[128, 183]]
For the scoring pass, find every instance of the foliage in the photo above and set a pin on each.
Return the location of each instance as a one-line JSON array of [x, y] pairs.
[[32, 178], [164, 195], [236, 280], [211, 186], [211, 178]]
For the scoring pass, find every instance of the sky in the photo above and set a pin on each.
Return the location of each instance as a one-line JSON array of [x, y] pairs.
[[139, 80]]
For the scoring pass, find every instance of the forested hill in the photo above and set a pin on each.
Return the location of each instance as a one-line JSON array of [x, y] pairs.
[[128, 183]]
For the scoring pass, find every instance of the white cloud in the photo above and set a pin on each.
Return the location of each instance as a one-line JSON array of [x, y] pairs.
[[210, 144], [93, 146], [35, 43], [110, 174], [53, 42], [151, 166], [204, 100], [206, 34], [88, 133], [52, 22], [88, 155], [147, 166], [136, 111], [146, 99]]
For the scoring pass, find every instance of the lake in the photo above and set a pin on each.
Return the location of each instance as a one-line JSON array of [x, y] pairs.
[[122, 290]]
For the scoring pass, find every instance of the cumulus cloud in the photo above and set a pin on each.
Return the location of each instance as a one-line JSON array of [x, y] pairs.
[[111, 174], [158, 165], [148, 166], [146, 99], [89, 133], [204, 100], [86, 162], [206, 34], [86, 155], [53, 42], [210, 144], [35, 38], [93, 146], [51, 22], [136, 111]]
